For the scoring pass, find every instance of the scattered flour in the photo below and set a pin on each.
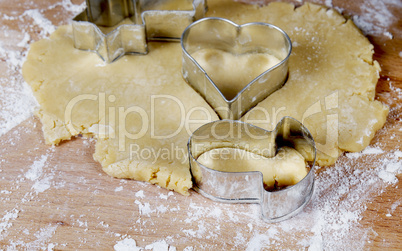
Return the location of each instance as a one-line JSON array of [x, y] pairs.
[[140, 194], [43, 235], [17, 104], [372, 150], [367, 150], [129, 244], [165, 197], [390, 169], [330, 221], [387, 177], [42, 184], [36, 169], [44, 24], [160, 246], [5, 221], [68, 6], [118, 189], [35, 173], [145, 208], [376, 17], [50, 247], [260, 241], [394, 206], [328, 3], [16, 98], [338, 202]]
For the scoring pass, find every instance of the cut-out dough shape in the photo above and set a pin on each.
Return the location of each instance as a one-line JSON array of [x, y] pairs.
[[230, 72], [286, 168]]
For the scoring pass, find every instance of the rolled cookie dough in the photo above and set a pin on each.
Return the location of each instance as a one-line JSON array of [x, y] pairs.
[[230, 72], [286, 168], [332, 76], [140, 108]]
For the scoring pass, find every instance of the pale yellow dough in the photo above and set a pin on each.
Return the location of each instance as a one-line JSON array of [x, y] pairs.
[[286, 168], [331, 88], [135, 95], [230, 72], [332, 76]]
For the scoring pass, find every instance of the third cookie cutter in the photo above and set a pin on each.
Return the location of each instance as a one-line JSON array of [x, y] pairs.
[[248, 187], [223, 34], [145, 20]]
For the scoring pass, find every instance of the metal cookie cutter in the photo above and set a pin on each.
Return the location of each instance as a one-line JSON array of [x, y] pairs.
[[248, 187], [137, 21], [225, 35]]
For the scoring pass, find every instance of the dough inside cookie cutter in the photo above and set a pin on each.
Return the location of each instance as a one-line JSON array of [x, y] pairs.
[[132, 23], [223, 34], [248, 187]]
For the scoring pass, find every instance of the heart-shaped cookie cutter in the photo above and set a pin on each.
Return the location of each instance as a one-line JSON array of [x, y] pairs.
[[150, 20], [223, 34], [248, 187]]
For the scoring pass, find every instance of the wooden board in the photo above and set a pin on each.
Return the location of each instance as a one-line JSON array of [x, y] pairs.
[[58, 197]]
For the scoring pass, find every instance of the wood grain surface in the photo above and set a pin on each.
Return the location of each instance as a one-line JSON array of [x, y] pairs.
[[72, 204]]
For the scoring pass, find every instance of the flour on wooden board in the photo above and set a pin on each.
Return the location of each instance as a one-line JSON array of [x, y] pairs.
[[332, 217], [17, 101], [331, 220], [376, 17]]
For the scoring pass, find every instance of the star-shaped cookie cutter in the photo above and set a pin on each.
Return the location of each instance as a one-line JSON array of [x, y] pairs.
[[223, 34], [113, 28], [248, 187]]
